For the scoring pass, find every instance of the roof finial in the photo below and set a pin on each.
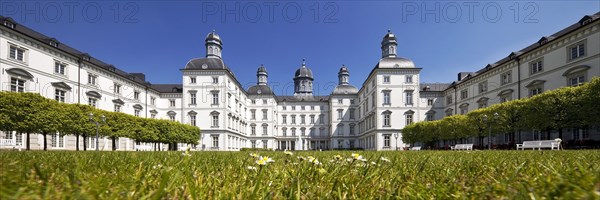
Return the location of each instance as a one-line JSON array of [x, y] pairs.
[[303, 62], [213, 30], [389, 31]]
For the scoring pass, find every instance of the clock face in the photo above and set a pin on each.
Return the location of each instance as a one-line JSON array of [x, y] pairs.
[[204, 66]]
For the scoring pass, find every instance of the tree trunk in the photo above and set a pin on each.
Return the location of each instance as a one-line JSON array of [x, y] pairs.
[[45, 141], [28, 145], [114, 142], [76, 142], [84, 143]]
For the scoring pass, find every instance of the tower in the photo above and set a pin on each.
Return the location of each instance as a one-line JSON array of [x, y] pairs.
[[261, 75], [344, 76], [389, 45], [303, 81], [213, 45]]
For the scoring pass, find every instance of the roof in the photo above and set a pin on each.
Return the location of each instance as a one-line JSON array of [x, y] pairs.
[[168, 88], [395, 62], [260, 90], [433, 87], [303, 72], [206, 64], [344, 89], [303, 98], [585, 20], [72, 51]]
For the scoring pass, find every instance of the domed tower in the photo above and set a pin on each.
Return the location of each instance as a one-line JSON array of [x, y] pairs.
[[213, 45], [261, 75], [389, 45], [344, 76], [303, 81]]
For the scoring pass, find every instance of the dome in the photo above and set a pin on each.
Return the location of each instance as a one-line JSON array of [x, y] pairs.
[[213, 36], [343, 69], [389, 35], [205, 63], [303, 72], [345, 89], [260, 90], [395, 62], [261, 69]]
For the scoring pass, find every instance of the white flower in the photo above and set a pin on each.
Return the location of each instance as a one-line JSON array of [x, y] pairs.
[[251, 168], [356, 156], [254, 155], [157, 166], [264, 160], [288, 152], [373, 163], [384, 159]]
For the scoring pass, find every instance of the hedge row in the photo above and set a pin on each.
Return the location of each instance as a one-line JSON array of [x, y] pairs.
[[31, 113], [567, 107]]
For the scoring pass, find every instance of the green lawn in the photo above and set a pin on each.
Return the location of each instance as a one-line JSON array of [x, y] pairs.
[[236, 175]]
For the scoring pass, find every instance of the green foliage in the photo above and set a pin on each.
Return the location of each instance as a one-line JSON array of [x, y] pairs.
[[32, 113], [567, 107], [236, 175]]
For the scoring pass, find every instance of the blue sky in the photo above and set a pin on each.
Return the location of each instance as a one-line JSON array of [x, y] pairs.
[[159, 37]]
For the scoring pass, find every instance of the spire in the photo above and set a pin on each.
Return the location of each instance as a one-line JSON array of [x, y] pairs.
[[261, 75], [213, 45], [344, 76], [389, 45], [304, 62]]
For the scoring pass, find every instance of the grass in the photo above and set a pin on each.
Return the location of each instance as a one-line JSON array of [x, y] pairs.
[[230, 175]]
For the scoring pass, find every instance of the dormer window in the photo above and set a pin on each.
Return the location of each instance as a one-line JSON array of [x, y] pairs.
[[585, 20], [9, 24], [54, 43]]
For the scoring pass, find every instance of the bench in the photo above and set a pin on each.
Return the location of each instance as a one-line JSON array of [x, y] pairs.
[[462, 147], [552, 144], [415, 148]]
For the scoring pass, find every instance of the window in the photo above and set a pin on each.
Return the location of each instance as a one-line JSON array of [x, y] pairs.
[[284, 119], [60, 95], [293, 107], [373, 97], [9, 24], [92, 102], [340, 101], [252, 129], [386, 119], [409, 98], [312, 119], [57, 140], [575, 80], [171, 102], [284, 131], [386, 141], [59, 68], [535, 90], [303, 131], [136, 112], [152, 100], [352, 101], [215, 80], [215, 141], [153, 115], [293, 131], [265, 144], [193, 119], [215, 121], [293, 119], [284, 107], [253, 114], [117, 108], [312, 107], [409, 119], [409, 78], [340, 128], [577, 50], [464, 108], [506, 78], [303, 107], [351, 129], [386, 79], [264, 102], [117, 88], [464, 94], [429, 117], [92, 79], [351, 112], [17, 85], [215, 98], [386, 98], [302, 119], [253, 143], [321, 119], [264, 114], [340, 113], [449, 99], [430, 102], [253, 102], [482, 104], [17, 53], [136, 95], [483, 87], [321, 107], [172, 118], [536, 66], [265, 128], [193, 80]]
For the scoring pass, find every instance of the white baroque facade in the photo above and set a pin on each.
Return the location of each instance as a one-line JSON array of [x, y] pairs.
[[233, 117]]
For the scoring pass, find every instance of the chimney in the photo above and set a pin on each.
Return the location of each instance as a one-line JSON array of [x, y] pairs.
[[462, 75]]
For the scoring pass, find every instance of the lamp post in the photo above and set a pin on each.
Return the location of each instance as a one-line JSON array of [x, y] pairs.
[[396, 136], [103, 118], [485, 119]]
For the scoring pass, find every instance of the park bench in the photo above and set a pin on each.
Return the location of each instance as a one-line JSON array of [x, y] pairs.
[[415, 148], [539, 144], [462, 147]]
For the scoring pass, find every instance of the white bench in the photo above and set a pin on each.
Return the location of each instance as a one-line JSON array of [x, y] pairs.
[[415, 148], [552, 144], [462, 147]]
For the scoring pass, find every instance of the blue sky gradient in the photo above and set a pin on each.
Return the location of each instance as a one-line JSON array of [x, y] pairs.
[[159, 37]]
